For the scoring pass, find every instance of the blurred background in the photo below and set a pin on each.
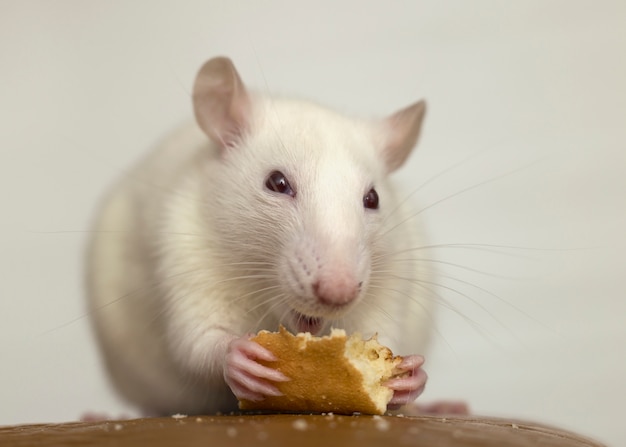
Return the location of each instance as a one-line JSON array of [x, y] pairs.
[[521, 170]]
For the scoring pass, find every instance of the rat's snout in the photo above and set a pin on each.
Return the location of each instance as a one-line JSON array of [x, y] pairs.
[[336, 287], [325, 278]]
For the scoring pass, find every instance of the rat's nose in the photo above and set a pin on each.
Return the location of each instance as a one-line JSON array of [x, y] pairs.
[[336, 288]]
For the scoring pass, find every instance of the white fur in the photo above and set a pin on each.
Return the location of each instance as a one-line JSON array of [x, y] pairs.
[[191, 250]]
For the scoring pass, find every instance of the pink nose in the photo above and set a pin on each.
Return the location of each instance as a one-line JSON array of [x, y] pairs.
[[336, 289]]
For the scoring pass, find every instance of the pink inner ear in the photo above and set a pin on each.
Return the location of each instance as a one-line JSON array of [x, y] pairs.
[[403, 129], [221, 102]]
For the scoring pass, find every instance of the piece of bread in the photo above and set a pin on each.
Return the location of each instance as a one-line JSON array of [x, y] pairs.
[[334, 373]]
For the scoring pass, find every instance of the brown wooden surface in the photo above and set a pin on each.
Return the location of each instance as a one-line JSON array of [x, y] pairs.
[[294, 431]]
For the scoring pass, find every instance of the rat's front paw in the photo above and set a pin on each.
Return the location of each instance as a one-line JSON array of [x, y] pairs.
[[247, 378], [406, 389]]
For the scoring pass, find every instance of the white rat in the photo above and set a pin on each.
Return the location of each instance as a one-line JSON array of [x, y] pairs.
[[265, 211]]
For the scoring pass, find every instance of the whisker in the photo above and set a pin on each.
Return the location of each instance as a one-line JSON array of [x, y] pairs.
[[261, 297], [468, 297], [154, 286], [492, 248], [374, 285], [511, 247], [282, 318], [452, 264], [433, 178], [503, 301], [429, 315], [462, 191]]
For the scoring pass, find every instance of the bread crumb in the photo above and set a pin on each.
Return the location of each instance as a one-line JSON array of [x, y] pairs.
[[514, 426], [382, 424], [300, 424], [231, 432], [179, 416], [118, 427], [198, 419]]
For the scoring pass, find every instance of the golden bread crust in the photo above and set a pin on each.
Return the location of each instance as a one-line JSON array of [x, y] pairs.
[[323, 379]]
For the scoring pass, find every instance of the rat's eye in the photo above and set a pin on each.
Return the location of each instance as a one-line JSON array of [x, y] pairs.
[[277, 182], [370, 200]]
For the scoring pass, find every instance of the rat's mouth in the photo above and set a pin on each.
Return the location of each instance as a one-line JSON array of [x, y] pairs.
[[304, 323]]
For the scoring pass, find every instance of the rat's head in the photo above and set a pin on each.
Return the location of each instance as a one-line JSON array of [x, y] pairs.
[[301, 194]]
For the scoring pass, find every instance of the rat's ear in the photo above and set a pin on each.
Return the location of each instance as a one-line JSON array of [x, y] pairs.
[[402, 129], [221, 103]]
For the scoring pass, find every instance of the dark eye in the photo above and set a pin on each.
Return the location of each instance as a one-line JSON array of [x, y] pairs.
[[277, 182], [370, 200]]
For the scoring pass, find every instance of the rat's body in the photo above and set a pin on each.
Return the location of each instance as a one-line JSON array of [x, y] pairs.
[[262, 214]]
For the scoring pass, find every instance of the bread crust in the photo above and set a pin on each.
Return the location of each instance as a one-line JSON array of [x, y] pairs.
[[323, 372]]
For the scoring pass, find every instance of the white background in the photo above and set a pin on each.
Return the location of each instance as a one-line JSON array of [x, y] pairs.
[[527, 96]]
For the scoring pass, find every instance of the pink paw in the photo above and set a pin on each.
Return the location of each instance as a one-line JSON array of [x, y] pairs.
[[247, 378], [407, 389]]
